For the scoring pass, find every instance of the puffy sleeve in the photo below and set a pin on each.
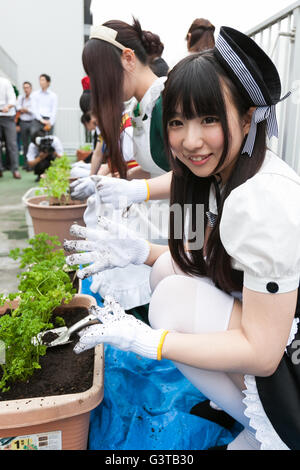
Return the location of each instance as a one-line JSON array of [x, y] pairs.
[[260, 230]]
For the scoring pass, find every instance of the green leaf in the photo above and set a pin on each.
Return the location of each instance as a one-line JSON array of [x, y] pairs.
[[43, 286]]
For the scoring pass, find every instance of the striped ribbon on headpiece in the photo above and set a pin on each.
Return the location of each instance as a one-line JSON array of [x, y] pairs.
[[263, 111]]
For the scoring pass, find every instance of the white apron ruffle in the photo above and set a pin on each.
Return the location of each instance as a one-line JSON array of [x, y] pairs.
[[129, 286], [141, 129]]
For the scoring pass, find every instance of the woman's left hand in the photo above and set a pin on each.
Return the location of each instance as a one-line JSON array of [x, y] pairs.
[[109, 246], [122, 331]]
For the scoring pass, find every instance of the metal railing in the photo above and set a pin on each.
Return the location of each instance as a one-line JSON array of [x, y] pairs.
[[69, 129], [279, 36]]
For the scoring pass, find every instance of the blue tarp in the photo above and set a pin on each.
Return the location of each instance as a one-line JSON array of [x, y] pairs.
[[146, 406]]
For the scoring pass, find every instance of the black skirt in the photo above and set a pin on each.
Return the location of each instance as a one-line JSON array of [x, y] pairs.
[[280, 393]]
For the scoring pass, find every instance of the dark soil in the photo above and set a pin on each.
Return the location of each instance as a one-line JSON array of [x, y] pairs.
[[63, 201], [47, 338], [74, 279], [62, 372]]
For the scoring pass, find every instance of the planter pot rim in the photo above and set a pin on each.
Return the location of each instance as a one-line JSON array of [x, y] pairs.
[[34, 202], [13, 304], [33, 411]]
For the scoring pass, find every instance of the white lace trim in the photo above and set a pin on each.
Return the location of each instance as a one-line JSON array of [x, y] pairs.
[[294, 331], [265, 433], [148, 101], [154, 93]]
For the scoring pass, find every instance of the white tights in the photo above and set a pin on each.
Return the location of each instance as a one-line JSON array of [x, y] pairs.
[[194, 305]]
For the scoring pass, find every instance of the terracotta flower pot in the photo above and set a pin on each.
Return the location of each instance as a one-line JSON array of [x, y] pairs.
[[82, 154], [55, 220], [57, 422]]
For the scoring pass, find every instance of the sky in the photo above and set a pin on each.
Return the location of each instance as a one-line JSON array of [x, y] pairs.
[[171, 19]]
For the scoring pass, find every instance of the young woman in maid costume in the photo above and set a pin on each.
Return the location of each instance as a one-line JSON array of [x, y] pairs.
[[227, 314], [117, 60]]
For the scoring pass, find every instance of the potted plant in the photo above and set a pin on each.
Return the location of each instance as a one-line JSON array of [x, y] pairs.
[[54, 211], [45, 248], [83, 152], [57, 417]]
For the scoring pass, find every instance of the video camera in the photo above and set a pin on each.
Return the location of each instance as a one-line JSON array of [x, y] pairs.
[[45, 144]]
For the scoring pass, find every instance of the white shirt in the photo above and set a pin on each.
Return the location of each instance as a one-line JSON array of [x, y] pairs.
[[141, 129], [27, 103], [260, 228], [7, 96], [33, 150], [45, 105]]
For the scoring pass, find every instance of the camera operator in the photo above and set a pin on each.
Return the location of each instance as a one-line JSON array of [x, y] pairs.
[[42, 151]]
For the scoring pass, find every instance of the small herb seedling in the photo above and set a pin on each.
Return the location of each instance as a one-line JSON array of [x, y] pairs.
[[43, 286], [56, 182]]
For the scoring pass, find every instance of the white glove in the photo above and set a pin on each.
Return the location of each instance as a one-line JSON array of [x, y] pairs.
[[80, 169], [79, 172], [80, 164], [121, 193], [82, 188], [122, 331], [109, 246]]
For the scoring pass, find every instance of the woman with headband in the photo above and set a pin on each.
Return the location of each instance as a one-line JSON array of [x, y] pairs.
[[117, 60], [225, 312]]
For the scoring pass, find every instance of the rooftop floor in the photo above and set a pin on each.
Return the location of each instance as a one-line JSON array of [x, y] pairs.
[[13, 226]]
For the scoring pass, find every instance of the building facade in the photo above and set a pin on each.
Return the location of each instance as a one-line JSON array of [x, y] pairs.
[[43, 36]]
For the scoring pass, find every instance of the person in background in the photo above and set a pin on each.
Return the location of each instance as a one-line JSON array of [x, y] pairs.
[[200, 36], [8, 125], [42, 150], [18, 129], [85, 98], [90, 123], [44, 106], [91, 164], [26, 117], [99, 164], [157, 64], [125, 76], [87, 166]]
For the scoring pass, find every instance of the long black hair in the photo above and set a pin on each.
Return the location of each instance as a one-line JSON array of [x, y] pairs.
[[196, 86]]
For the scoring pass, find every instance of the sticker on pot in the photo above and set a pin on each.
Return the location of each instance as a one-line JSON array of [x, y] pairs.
[[41, 441]]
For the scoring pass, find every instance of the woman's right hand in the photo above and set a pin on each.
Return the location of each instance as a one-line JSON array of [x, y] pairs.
[[82, 188], [119, 192]]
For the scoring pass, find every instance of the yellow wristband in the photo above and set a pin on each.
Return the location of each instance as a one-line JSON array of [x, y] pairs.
[[148, 191], [160, 345]]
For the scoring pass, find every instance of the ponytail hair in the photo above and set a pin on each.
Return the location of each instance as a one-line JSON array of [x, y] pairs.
[[200, 36], [151, 42], [144, 43]]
